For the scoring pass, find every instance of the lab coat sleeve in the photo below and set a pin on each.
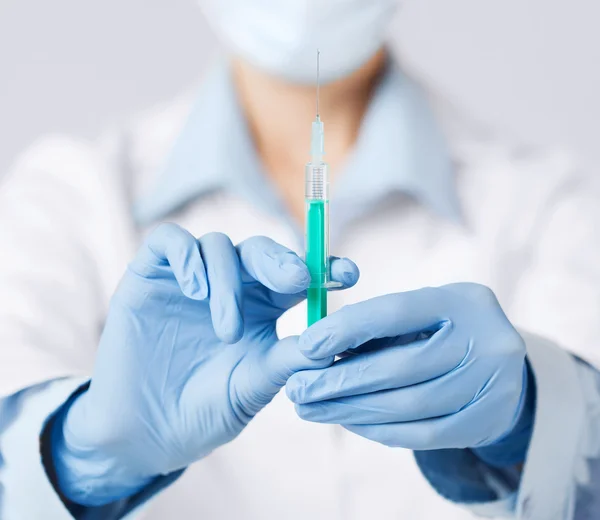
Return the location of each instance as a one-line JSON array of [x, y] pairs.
[[57, 217], [25, 489], [51, 303], [560, 475], [559, 299]]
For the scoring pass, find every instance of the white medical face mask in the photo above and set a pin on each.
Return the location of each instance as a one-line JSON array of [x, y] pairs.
[[282, 36]]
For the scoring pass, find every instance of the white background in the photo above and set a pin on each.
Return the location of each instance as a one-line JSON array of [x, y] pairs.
[[531, 67]]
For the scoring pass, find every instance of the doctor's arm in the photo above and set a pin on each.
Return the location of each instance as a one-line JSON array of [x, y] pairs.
[[502, 421], [164, 391]]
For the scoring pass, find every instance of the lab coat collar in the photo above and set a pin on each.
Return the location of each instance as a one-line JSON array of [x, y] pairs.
[[212, 152], [399, 148]]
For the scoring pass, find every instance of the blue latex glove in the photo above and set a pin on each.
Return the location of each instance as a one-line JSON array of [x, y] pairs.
[[189, 354], [428, 369]]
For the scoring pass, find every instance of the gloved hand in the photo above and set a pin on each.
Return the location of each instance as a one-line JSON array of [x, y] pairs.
[[428, 369], [188, 356]]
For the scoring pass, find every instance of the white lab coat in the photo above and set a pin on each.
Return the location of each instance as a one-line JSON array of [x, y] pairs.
[[529, 231]]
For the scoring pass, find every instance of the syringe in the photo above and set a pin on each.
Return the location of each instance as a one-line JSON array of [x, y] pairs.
[[317, 221]]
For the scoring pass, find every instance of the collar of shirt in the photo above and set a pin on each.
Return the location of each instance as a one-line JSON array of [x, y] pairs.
[[399, 149]]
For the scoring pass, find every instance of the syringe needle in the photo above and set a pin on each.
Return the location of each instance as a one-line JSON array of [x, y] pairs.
[[318, 82]]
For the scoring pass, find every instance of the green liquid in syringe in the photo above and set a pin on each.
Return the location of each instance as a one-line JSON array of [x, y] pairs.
[[316, 259]]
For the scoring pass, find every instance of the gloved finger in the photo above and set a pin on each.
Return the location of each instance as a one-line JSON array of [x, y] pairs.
[[283, 271], [257, 381], [344, 271], [171, 250], [273, 265], [284, 359], [468, 428], [225, 286], [475, 293], [420, 435], [382, 343], [439, 397], [392, 367], [385, 316]]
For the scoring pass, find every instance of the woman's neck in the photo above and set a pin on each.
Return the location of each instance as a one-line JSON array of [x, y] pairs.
[[279, 116]]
